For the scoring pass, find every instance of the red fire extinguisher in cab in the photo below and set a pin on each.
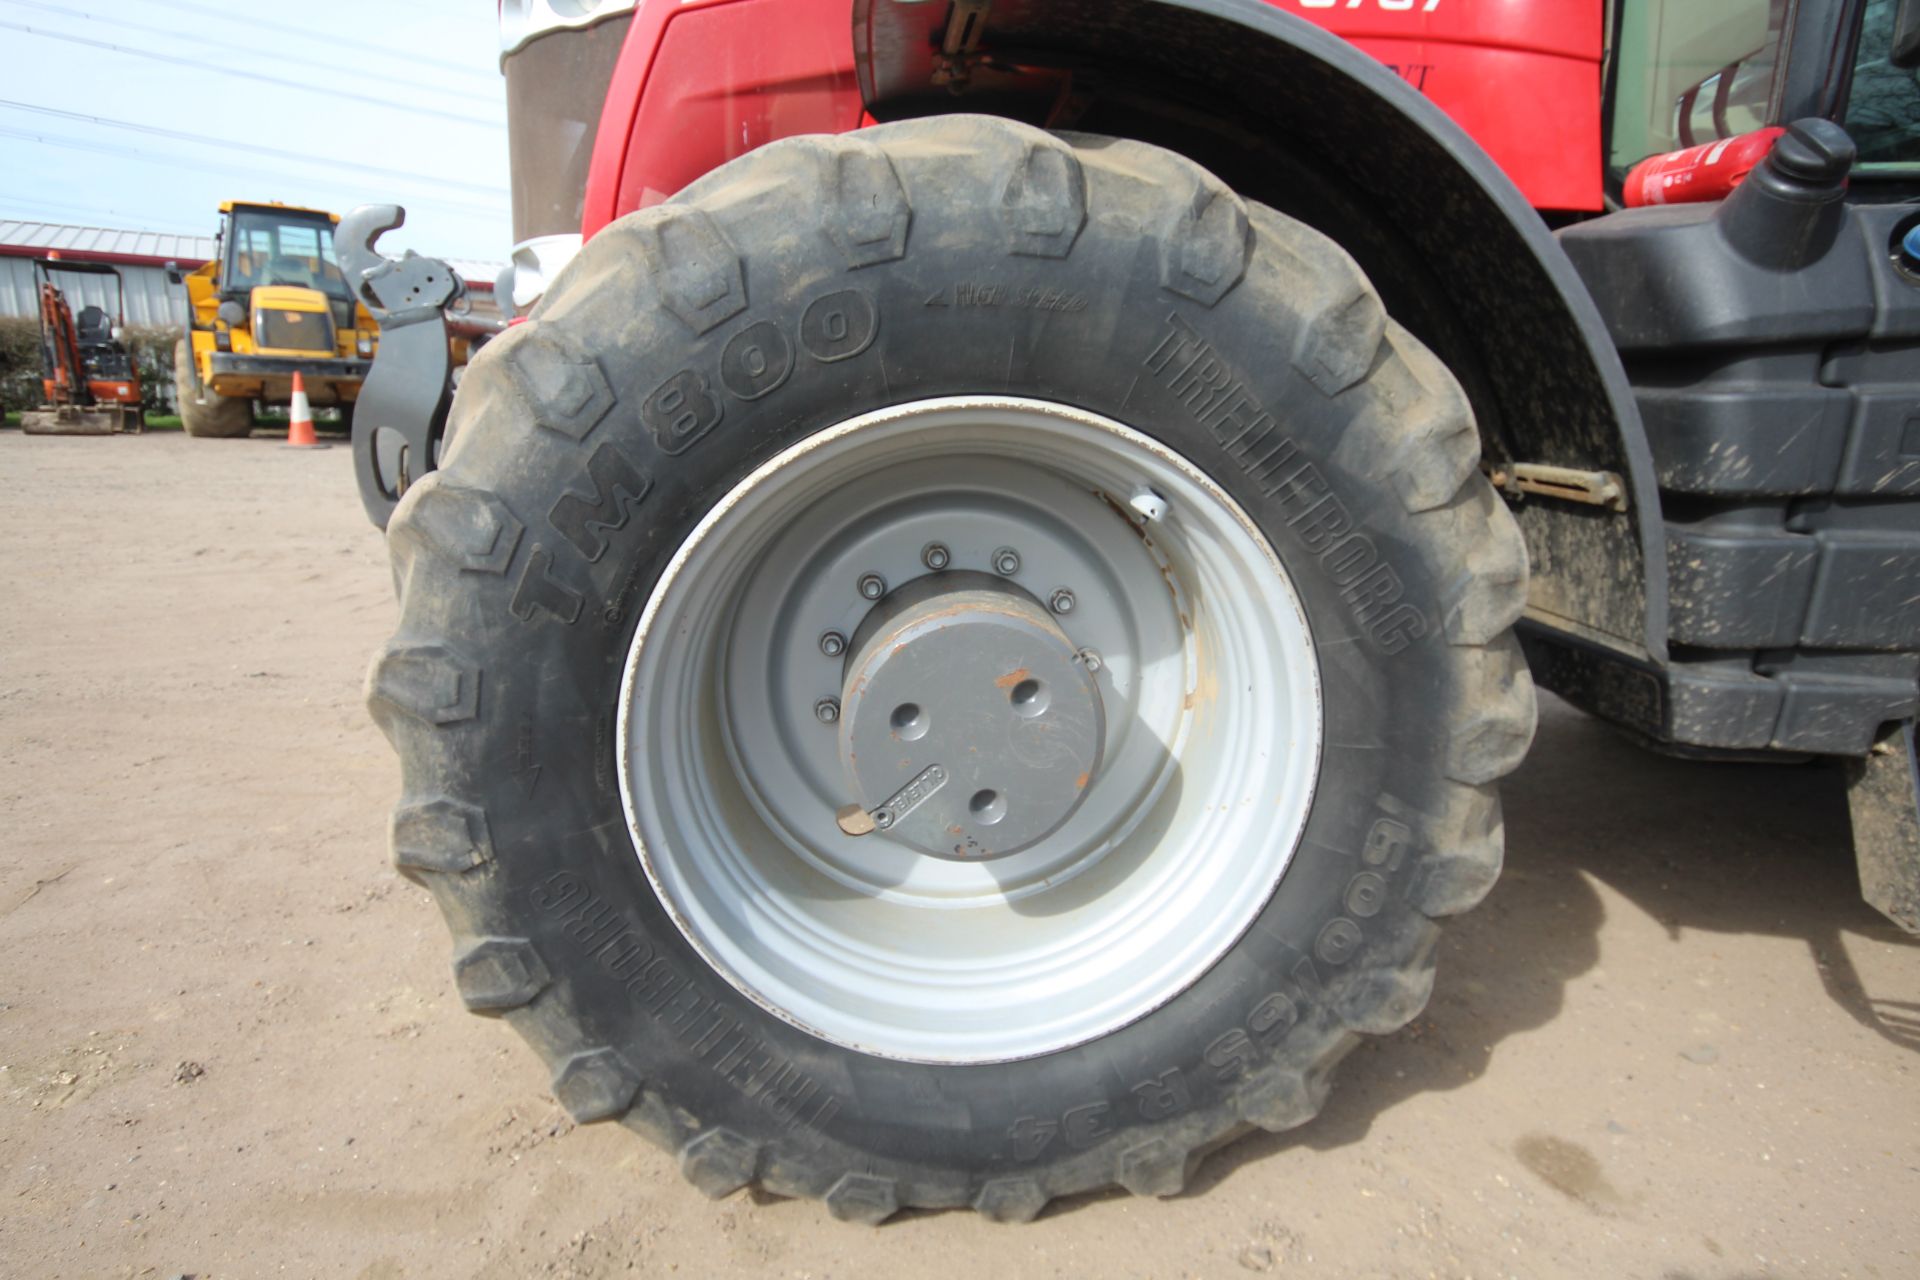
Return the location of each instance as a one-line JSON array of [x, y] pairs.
[[1709, 171]]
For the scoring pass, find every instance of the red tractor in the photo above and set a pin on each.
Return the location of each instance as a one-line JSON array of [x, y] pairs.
[[87, 376], [964, 646]]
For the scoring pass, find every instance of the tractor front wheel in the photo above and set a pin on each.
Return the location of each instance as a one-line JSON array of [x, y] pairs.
[[953, 666]]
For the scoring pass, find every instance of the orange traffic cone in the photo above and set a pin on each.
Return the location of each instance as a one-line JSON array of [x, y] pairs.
[[300, 418]]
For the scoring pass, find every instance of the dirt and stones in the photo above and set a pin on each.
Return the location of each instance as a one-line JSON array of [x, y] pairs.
[[193, 874]]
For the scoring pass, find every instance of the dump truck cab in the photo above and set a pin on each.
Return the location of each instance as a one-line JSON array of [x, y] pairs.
[[271, 303]]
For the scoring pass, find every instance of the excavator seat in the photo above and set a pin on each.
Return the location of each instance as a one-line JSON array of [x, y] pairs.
[[94, 326]]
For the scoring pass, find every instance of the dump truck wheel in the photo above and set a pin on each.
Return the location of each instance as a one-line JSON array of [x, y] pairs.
[[1085, 536], [202, 413]]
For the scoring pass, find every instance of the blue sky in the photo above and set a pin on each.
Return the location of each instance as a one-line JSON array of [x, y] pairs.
[[148, 113]]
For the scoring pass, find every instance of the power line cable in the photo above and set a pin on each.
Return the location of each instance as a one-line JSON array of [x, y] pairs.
[[411, 59], [74, 144], [226, 144], [163, 226], [306, 62], [280, 82]]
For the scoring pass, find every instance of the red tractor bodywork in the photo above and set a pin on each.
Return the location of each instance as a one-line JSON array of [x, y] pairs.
[[700, 82]]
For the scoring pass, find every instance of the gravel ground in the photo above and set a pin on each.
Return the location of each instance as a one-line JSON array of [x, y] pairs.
[[1672, 1043]]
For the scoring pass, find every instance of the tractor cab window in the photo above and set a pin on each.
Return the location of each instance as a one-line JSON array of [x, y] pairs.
[[271, 248], [1883, 112], [1685, 72]]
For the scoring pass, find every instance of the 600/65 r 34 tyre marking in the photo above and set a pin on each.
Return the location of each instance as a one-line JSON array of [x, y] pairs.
[[824, 282]]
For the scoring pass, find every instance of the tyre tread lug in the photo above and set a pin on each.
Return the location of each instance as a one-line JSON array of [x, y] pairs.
[[496, 974], [1342, 331], [1155, 1167], [1486, 591], [863, 1198], [440, 834], [695, 267], [427, 681], [566, 389], [1010, 1200], [872, 212], [595, 1085], [1044, 202], [1468, 849], [1439, 440], [1286, 1095], [719, 1162], [472, 527], [1383, 998], [1500, 715], [1204, 252]]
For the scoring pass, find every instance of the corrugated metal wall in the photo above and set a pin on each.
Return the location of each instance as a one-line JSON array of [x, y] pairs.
[[92, 242], [150, 299]]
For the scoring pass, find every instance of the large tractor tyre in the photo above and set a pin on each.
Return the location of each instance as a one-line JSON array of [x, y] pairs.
[[1085, 536], [202, 413]]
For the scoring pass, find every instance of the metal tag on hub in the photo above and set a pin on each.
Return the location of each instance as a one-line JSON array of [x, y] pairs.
[[910, 797]]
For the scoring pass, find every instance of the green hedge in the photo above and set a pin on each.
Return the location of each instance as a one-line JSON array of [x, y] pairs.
[[19, 363], [153, 360], [20, 370]]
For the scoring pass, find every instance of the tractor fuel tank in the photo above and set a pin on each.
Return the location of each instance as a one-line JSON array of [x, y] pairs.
[[1773, 342]]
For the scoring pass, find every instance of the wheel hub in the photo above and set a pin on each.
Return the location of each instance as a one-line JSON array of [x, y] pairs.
[[825, 592], [970, 726]]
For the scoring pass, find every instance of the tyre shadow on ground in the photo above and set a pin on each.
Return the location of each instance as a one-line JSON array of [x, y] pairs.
[[1726, 848]]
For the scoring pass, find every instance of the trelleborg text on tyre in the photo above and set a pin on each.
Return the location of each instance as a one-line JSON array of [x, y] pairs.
[[953, 666]]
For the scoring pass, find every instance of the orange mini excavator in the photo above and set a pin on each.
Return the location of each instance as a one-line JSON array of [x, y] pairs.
[[88, 378]]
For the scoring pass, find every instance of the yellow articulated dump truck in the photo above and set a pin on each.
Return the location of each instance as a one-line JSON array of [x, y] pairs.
[[271, 303]]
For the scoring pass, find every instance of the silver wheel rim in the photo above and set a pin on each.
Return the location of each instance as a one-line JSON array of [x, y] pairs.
[[1210, 739]]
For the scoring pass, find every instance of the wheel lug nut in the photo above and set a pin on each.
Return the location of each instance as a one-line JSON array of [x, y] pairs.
[[827, 710], [936, 556], [872, 586], [883, 818], [1061, 601], [1006, 562], [1092, 661], [833, 644]]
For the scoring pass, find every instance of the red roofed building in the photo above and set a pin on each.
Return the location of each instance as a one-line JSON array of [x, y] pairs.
[[142, 257]]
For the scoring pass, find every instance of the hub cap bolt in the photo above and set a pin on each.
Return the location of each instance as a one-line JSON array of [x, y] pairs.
[[1006, 562], [1092, 660], [936, 556], [833, 644], [872, 586], [827, 710], [883, 818], [1062, 601]]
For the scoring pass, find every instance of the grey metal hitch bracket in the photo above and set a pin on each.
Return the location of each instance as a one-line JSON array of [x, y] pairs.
[[402, 410]]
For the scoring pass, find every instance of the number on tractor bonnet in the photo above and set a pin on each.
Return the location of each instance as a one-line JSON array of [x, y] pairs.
[[1390, 6]]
